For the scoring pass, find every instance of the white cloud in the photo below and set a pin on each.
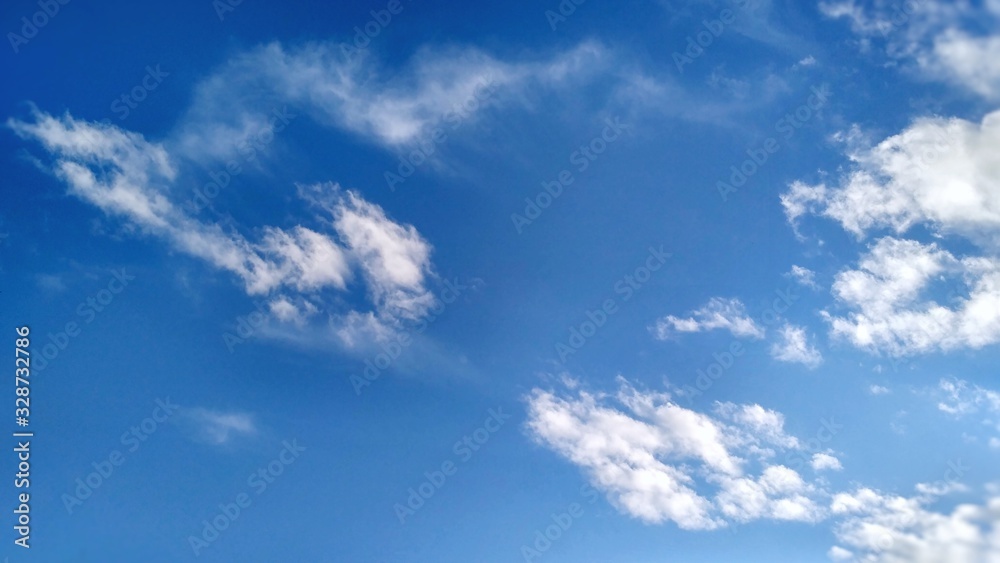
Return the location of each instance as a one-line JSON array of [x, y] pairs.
[[128, 177], [294, 267], [312, 259], [959, 398], [804, 276], [808, 61], [778, 494], [390, 108], [651, 456], [215, 427], [395, 258], [718, 313], [288, 311], [794, 347], [894, 529], [656, 461], [838, 553], [878, 390], [966, 60], [823, 461], [891, 313], [932, 39], [940, 172], [941, 488], [761, 423], [859, 20]]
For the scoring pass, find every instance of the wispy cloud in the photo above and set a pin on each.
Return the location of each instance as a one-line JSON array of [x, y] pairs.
[[388, 108], [718, 313], [131, 178], [932, 39], [804, 276], [216, 427]]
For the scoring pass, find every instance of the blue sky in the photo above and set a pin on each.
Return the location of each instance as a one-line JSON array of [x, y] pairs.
[[420, 281]]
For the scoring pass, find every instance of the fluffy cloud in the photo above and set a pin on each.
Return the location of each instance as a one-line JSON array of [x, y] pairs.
[[718, 313], [894, 529], [823, 462], [967, 60], [940, 172], [794, 347], [778, 494], [653, 457], [892, 312]]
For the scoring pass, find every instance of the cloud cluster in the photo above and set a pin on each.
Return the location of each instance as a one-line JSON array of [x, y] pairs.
[[131, 178], [658, 462], [937, 39], [654, 458], [940, 174], [894, 529], [959, 397], [893, 312]]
